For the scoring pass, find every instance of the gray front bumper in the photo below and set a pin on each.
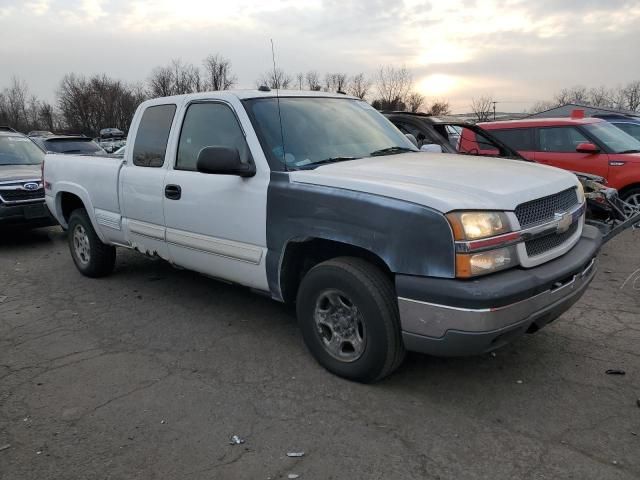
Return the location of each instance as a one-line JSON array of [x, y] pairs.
[[31, 214]]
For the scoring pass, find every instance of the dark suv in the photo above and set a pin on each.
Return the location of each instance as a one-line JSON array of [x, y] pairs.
[[21, 189]]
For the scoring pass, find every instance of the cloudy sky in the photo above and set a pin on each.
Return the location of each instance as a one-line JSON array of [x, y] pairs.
[[519, 51]]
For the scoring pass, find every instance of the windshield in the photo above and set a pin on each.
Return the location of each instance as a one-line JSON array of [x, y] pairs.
[[319, 130], [72, 145], [15, 150], [614, 138]]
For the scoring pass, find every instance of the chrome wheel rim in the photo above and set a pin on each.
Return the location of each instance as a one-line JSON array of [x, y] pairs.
[[634, 204], [81, 245], [340, 326]]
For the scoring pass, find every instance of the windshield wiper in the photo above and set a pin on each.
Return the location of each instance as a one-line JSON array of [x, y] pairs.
[[630, 151], [327, 160], [391, 151]]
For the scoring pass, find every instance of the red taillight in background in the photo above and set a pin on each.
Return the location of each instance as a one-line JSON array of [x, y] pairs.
[[577, 114]]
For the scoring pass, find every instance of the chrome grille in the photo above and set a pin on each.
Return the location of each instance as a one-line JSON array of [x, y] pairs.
[[21, 195], [544, 209], [549, 242]]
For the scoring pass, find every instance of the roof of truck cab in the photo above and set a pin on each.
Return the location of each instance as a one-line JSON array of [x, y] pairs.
[[245, 95], [540, 122]]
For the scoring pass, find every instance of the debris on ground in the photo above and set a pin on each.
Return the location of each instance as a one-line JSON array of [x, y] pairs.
[[519, 382], [295, 454], [3, 298], [615, 371], [293, 475], [5, 447], [236, 440], [493, 354], [162, 422]]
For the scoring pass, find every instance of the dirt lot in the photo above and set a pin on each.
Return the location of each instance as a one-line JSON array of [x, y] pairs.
[[147, 374]]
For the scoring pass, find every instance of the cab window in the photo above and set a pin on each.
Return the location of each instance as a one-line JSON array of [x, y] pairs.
[[153, 134], [209, 125]]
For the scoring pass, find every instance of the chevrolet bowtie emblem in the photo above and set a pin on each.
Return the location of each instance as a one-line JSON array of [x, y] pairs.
[[565, 220]]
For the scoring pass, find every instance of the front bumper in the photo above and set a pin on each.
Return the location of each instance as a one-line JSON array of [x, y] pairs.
[[456, 317], [34, 214]]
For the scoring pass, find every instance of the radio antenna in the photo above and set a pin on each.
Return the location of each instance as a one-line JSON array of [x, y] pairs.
[[276, 82]]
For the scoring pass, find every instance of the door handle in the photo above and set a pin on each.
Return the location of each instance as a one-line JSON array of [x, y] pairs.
[[173, 192]]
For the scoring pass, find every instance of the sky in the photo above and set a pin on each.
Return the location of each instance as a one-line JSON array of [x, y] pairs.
[[517, 51]]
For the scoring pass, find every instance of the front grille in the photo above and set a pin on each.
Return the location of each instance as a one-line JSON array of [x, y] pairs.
[[549, 242], [543, 209], [21, 195]]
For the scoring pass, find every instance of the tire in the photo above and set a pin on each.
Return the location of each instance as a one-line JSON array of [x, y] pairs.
[[92, 257], [367, 344]]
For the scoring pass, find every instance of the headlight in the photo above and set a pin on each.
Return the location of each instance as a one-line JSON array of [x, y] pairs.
[[482, 263], [476, 225]]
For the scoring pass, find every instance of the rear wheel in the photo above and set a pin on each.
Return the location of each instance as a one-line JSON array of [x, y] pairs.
[[92, 257], [348, 315]]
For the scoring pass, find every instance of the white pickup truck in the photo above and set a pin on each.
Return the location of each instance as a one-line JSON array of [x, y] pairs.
[[318, 200]]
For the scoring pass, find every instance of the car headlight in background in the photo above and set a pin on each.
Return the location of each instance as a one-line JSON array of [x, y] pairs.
[[476, 225]]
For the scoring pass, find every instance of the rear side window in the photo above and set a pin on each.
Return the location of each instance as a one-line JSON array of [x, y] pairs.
[[152, 136], [516, 138], [560, 139]]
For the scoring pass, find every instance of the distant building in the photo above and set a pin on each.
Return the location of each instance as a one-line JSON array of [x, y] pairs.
[[589, 111]]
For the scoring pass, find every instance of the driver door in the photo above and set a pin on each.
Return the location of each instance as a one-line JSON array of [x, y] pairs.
[[216, 224]]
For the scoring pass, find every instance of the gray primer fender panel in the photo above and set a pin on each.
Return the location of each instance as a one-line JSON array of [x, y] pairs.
[[411, 239]]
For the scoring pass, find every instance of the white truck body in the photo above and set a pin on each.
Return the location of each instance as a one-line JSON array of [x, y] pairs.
[[225, 226]]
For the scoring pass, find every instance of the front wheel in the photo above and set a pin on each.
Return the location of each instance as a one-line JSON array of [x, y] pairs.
[[348, 315], [92, 257], [632, 197]]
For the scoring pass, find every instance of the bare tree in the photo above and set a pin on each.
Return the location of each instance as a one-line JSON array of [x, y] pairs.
[[482, 107], [335, 82], [313, 81], [600, 97], [631, 95], [175, 79], [18, 108], [414, 101], [542, 106], [359, 86], [300, 81], [439, 107], [576, 94], [218, 75], [275, 79], [161, 82], [393, 85], [89, 104]]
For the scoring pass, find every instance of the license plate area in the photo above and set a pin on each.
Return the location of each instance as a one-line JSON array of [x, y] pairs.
[[35, 211]]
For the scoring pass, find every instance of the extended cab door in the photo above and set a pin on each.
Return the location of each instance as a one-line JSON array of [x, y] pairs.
[[557, 147], [216, 224], [142, 180]]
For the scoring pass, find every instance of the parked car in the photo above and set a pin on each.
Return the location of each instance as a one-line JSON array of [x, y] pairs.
[[604, 207], [317, 199], [111, 133], [589, 145], [119, 152], [68, 144], [21, 191], [39, 133], [630, 125]]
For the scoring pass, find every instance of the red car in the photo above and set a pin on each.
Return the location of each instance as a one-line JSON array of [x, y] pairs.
[[589, 145]]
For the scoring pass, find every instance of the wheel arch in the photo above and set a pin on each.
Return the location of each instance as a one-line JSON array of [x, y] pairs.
[[301, 254], [71, 197]]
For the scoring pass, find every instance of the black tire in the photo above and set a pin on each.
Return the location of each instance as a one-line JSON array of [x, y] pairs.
[[96, 259], [364, 286]]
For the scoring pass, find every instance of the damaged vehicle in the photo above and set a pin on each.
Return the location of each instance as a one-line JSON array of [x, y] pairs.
[[316, 199], [605, 209]]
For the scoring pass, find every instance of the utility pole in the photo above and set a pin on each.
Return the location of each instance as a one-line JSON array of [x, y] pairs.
[[494, 110]]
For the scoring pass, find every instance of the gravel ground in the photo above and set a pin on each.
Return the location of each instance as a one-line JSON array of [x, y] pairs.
[[146, 374]]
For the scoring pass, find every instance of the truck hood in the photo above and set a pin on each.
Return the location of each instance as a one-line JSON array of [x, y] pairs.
[[444, 182], [12, 173]]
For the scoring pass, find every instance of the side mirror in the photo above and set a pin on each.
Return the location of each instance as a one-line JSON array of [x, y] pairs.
[[223, 161], [587, 147], [412, 139], [431, 147]]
